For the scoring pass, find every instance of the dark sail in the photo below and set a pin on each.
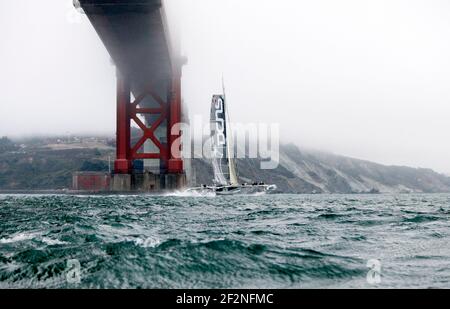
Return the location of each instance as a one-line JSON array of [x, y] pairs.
[[219, 141]]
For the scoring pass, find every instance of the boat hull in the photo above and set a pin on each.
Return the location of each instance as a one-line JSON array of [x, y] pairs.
[[234, 190]]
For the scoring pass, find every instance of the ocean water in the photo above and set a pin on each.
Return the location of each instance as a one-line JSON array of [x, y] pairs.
[[271, 241]]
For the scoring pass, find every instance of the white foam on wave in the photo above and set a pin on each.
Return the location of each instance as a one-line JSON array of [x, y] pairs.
[[188, 193], [128, 234], [256, 194], [18, 237], [149, 242], [51, 242]]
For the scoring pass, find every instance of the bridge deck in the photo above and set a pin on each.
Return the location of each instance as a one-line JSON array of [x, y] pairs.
[[135, 35]]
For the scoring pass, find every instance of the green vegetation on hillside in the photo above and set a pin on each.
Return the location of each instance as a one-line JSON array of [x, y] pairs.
[[31, 167], [6, 145]]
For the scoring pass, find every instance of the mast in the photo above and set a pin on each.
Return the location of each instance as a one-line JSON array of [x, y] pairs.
[[230, 143]]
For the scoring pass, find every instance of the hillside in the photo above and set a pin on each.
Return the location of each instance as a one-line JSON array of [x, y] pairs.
[[48, 163], [306, 171]]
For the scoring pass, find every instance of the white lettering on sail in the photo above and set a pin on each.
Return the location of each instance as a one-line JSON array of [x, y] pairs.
[[220, 123]]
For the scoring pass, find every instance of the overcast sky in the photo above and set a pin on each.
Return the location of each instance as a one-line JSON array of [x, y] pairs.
[[367, 79]]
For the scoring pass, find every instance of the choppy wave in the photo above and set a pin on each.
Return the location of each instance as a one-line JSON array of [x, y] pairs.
[[179, 241]]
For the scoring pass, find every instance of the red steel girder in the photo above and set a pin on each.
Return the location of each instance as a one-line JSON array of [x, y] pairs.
[[149, 133], [123, 163], [126, 112]]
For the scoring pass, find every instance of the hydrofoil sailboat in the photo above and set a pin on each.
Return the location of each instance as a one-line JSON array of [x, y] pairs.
[[226, 181]]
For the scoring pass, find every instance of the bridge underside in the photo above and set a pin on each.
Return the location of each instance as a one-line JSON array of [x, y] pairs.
[[148, 83]]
